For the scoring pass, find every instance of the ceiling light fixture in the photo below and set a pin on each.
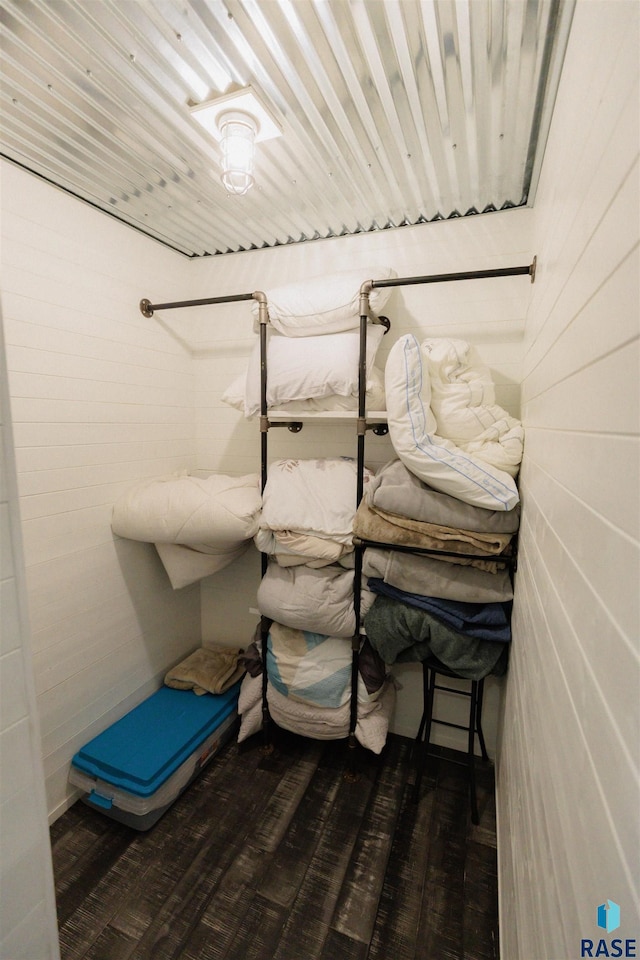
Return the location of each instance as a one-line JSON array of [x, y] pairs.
[[237, 121], [238, 132]]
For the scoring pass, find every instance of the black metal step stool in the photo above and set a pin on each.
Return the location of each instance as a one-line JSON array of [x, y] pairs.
[[431, 669]]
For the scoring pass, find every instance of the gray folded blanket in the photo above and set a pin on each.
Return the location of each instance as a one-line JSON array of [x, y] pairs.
[[433, 578], [395, 489], [207, 670]]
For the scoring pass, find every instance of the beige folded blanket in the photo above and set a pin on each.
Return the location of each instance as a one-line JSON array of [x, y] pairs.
[[371, 524], [207, 670], [422, 533]]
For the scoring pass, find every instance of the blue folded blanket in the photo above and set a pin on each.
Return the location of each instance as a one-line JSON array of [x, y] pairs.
[[482, 621]]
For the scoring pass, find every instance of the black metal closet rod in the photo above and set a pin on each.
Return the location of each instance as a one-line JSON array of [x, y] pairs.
[[529, 270], [147, 308]]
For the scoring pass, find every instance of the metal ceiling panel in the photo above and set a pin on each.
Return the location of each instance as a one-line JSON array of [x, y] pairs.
[[392, 112]]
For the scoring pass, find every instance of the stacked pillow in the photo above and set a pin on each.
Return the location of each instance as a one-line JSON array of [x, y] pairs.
[[329, 303], [306, 368], [313, 347]]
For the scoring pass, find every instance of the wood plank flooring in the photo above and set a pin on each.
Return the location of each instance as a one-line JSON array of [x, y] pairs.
[[288, 856]]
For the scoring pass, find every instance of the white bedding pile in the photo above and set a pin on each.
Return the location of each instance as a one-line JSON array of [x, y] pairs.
[[435, 392], [319, 723], [463, 401], [306, 598], [313, 352], [308, 508], [307, 526], [314, 668], [199, 525]]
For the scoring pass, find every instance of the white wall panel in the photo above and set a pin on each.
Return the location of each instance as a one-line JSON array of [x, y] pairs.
[[27, 902], [569, 763], [598, 470], [101, 397]]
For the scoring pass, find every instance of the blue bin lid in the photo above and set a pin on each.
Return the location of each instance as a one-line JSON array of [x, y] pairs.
[[139, 752]]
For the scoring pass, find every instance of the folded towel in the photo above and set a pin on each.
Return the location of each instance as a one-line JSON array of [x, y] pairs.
[[207, 671]]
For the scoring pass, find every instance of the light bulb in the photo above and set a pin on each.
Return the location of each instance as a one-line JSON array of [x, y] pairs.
[[238, 131]]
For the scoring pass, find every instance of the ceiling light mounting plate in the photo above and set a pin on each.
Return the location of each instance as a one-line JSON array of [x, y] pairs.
[[244, 100]]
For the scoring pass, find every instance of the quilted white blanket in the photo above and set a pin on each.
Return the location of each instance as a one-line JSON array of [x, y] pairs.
[[463, 402], [213, 518], [319, 723], [319, 600], [479, 468], [308, 508]]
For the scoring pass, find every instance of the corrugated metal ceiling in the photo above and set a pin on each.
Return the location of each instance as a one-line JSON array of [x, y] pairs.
[[393, 111]]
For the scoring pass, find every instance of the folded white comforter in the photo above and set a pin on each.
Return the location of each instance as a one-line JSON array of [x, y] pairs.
[[319, 600], [199, 525], [308, 508], [480, 469], [463, 401], [318, 723]]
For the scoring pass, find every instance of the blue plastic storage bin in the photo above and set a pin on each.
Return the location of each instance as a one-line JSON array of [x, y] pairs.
[[139, 766]]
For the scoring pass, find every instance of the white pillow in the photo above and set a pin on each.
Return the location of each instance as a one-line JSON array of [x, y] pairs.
[[300, 368], [434, 459], [329, 303], [375, 400]]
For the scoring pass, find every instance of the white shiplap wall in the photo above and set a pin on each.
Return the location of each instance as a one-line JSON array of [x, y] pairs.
[[27, 901], [489, 313], [101, 397], [569, 782]]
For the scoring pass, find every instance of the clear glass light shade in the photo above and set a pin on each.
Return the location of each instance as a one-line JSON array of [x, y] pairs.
[[237, 143]]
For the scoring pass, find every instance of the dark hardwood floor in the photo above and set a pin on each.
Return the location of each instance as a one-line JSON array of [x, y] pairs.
[[286, 856]]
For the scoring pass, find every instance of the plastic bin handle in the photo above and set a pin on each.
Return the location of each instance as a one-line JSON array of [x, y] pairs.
[[105, 802]]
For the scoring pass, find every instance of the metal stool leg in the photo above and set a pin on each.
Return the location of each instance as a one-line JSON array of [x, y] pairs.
[[473, 713], [424, 731], [478, 719], [425, 695]]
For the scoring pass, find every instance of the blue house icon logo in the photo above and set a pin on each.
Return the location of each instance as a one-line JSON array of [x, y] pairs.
[[609, 916]]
